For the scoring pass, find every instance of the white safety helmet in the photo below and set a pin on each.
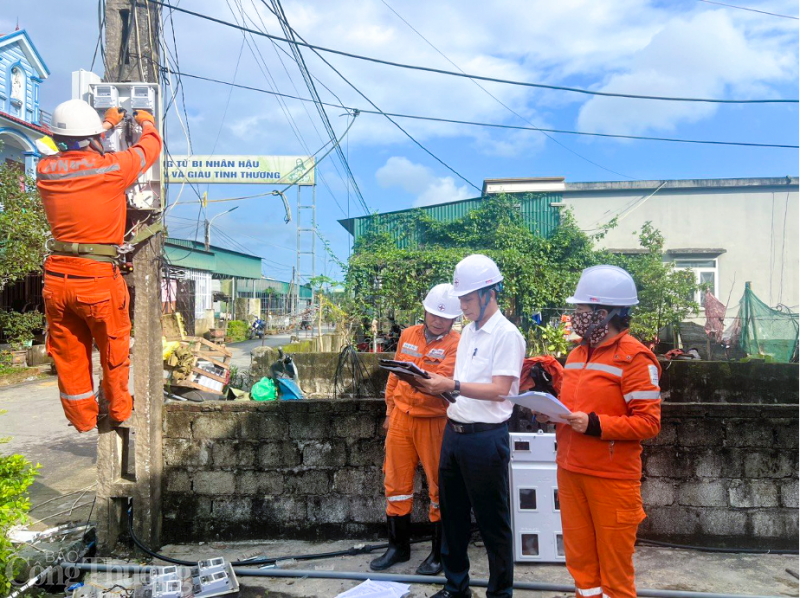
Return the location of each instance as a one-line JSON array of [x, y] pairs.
[[475, 272], [76, 118], [605, 285], [440, 301]]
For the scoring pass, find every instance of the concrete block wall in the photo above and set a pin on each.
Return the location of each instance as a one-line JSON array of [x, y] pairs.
[[723, 475]]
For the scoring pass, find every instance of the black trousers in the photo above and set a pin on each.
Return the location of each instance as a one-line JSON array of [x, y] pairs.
[[473, 475]]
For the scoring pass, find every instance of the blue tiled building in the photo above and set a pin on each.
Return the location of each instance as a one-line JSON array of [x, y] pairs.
[[22, 122]]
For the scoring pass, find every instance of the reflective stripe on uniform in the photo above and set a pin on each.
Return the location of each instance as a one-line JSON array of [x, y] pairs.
[[410, 352], [608, 369], [399, 498], [590, 591], [85, 395], [139, 151], [58, 176], [642, 395], [574, 366], [435, 505]]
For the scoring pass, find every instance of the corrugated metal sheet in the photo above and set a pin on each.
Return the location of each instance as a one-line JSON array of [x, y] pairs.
[[537, 214], [183, 253]]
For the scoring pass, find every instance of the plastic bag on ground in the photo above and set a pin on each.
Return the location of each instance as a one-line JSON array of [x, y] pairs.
[[264, 390]]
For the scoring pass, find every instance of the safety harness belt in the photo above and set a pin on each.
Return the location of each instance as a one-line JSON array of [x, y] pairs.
[[93, 251]]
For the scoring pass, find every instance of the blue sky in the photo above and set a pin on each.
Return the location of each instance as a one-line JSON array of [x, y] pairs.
[[681, 48]]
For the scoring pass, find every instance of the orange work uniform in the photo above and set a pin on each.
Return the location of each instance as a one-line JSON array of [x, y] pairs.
[[83, 194], [416, 421], [599, 476]]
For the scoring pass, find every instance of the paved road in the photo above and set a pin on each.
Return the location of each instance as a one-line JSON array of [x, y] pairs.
[[241, 351], [38, 429]]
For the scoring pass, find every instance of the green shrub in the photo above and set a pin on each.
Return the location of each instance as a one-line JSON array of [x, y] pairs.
[[19, 327], [237, 331], [16, 475]]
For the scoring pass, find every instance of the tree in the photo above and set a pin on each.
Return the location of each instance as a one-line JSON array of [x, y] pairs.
[[23, 226], [539, 272]]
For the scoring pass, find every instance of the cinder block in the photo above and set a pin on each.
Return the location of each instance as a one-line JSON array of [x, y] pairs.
[[768, 464], [368, 509], [674, 520], [329, 509], [774, 523], [178, 424], [257, 482], [366, 452], [228, 454], [215, 425], [786, 432], [213, 482], [309, 426], [181, 453], [658, 492], [722, 522], [668, 436], [258, 426], [748, 433], [278, 510], [359, 425], [274, 455], [753, 493], [308, 482], [232, 509], [789, 492], [178, 481], [700, 432], [718, 463], [665, 462], [706, 493], [325, 454]]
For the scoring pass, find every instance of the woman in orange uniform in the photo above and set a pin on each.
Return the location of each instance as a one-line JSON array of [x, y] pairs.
[[611, 386]]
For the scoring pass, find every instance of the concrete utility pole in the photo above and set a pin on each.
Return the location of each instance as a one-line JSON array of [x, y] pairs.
[[129, 463]]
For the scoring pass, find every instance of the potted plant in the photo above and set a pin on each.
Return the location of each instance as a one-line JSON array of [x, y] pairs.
[[19, 329]]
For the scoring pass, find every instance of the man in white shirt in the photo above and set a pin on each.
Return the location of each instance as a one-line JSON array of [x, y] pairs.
[[473, 466]]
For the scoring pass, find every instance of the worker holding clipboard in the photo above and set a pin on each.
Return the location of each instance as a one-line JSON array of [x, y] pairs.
[[415, 422], [609, 403]]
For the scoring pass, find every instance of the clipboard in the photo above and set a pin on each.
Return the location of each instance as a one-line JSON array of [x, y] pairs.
[[407, 371], [542, 402]]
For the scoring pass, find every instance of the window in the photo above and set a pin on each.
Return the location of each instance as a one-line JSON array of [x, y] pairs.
[[705, 273], [530, 544], [556, 502], [527, 499]]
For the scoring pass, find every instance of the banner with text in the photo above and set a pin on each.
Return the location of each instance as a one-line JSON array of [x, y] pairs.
[[263, 170]]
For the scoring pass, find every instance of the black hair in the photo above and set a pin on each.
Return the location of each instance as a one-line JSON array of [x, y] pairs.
[[620, 322]]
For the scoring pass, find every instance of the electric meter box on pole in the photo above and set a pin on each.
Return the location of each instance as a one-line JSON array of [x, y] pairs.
[[535, 508], [146, 193]]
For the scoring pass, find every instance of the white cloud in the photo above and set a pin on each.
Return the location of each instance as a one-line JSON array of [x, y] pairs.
[[420, 181], [704, 55]]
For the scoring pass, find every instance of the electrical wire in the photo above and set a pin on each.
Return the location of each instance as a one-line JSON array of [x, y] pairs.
[[301, 64], [499, 101], [260, 60], [763, 12], [479, 77], [497, 125], [375, 106]]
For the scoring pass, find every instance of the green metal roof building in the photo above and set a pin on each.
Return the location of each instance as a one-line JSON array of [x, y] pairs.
[[539, 201]]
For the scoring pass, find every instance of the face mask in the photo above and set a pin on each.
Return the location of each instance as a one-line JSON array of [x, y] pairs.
[[582, 321]]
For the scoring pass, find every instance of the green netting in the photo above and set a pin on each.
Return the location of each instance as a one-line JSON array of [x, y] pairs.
[[767, 331]]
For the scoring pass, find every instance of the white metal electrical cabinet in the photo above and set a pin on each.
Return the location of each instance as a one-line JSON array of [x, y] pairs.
[[535, 508], [145, 193]]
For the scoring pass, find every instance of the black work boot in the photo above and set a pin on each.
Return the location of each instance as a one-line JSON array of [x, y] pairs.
[[433, 564], [448, 594], [399, 550]]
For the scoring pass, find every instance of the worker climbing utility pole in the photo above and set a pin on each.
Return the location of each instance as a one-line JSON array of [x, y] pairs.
[[127, 470]]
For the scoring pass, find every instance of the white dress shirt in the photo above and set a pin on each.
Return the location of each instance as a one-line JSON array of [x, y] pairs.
[[496, 349]]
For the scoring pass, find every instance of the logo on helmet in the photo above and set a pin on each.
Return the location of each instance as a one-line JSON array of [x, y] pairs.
[[441, 306], [455, 283]]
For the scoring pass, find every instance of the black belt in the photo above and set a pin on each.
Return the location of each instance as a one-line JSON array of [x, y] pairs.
[[62, 275], [460, 428]]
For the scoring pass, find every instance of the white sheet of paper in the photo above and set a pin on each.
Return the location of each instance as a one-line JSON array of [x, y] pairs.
[[543, 402], [376, 589]]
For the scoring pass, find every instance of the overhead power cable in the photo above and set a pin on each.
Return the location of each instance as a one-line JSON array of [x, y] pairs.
[[277, 10], [497, 125], [499, 101], [763, 12], [478, 77], [396, 124]]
